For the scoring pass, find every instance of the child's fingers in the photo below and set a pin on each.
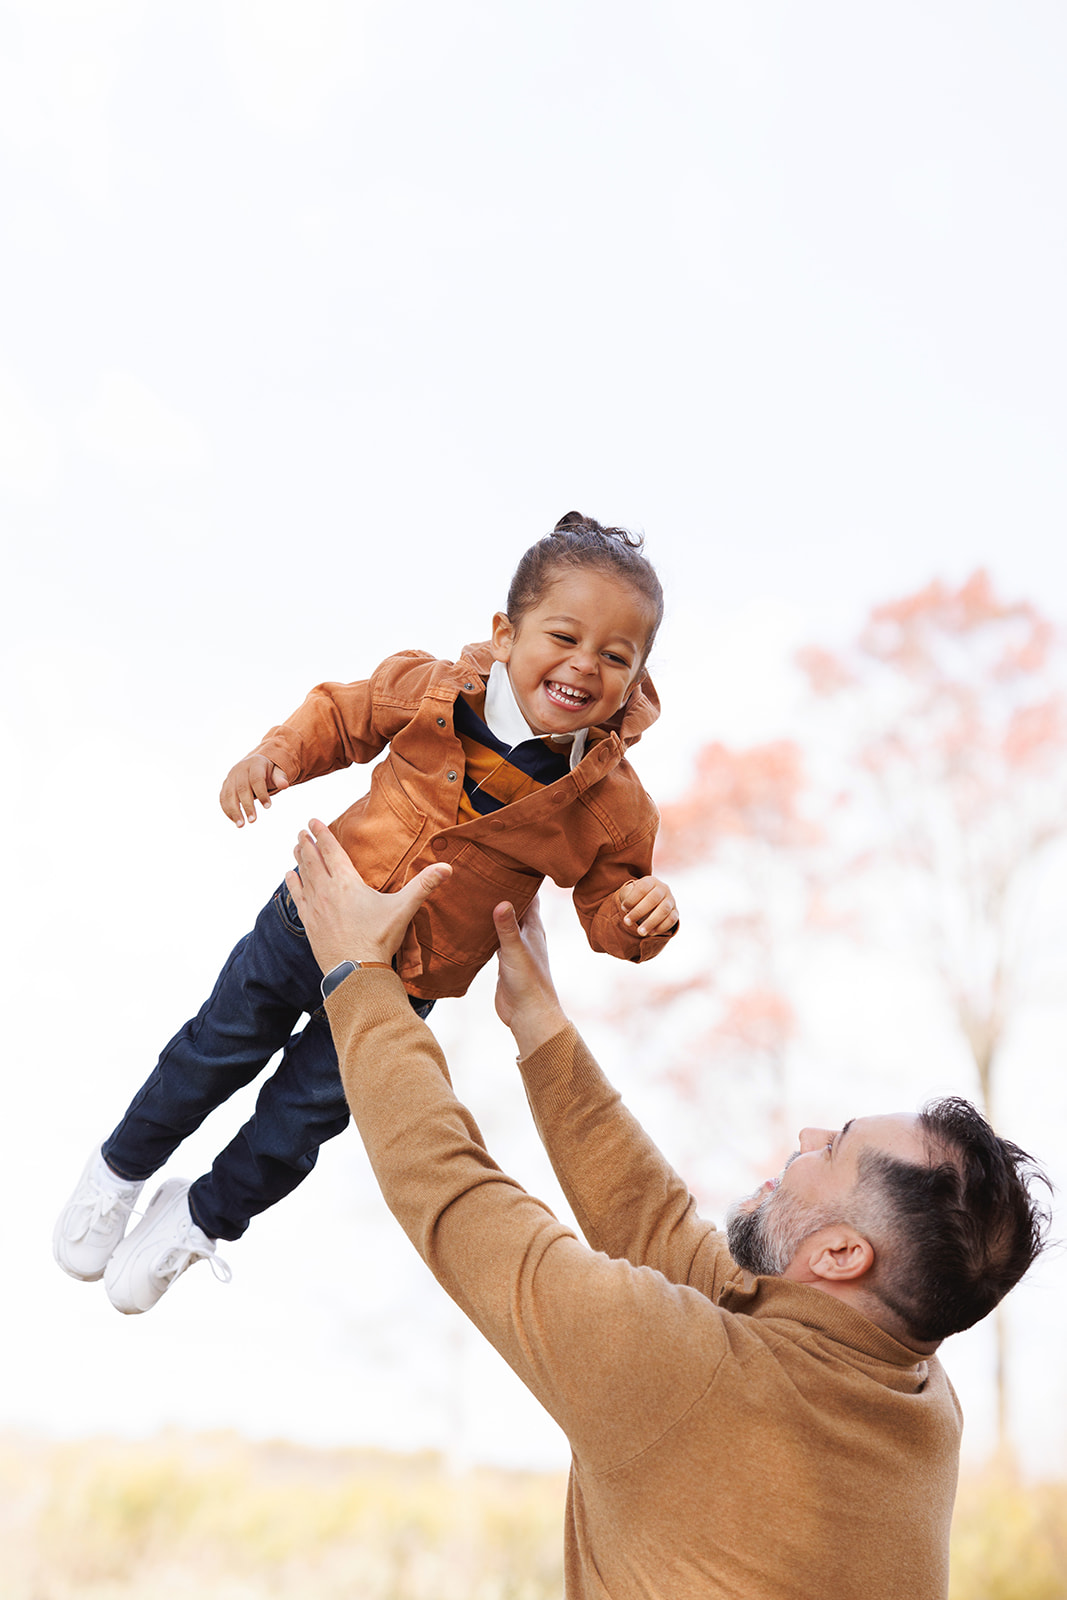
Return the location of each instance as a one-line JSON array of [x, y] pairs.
[[247, 801], [660, 920], [258, 774], [653, 911], [638, 897], [230, 798]]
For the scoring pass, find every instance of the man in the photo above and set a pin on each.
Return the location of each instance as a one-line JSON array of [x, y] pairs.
[[771, 1428]]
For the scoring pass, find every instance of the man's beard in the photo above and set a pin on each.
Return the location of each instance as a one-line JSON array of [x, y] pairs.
[[764, 1239]]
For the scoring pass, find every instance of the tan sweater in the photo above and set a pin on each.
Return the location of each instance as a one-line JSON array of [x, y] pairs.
[[733, 1437]]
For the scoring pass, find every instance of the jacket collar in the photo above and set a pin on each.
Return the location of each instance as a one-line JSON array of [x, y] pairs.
[[505, 718]]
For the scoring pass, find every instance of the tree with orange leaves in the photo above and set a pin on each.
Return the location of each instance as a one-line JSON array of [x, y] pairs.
[[929, 795], [743, 840], [952, 727], [951, 732]]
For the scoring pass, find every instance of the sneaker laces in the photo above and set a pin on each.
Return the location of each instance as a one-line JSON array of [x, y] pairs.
[[176, 1257], [99, 1203]]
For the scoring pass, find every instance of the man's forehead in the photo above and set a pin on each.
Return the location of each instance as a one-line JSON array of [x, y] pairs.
[[897, 1133]]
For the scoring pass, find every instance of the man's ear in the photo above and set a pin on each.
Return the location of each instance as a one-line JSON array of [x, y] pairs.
[[503, 636], [832, 1255]]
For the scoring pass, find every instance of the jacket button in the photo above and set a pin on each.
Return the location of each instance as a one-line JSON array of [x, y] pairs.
[[439, 846], [452, 777], [468, 687], [440, 722]]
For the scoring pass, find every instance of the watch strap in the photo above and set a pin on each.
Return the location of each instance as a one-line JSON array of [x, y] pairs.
[[344, 969]]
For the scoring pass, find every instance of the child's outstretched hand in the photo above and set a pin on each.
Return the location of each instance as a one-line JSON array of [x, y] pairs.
[[647, 905], [254, 778]]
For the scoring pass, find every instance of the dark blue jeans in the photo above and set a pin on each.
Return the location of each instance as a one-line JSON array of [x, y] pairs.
[[269, 982]]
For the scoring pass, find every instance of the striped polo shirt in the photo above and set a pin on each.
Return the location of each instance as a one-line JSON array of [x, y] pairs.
[[504, 759]]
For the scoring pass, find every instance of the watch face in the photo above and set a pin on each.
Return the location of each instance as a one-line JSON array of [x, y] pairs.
[[336, 976]]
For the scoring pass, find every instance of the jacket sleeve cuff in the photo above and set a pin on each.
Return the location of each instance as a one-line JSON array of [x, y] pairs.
[[607, 933]]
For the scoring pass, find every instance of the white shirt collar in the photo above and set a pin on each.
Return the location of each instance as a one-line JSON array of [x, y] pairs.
[[507, 722]]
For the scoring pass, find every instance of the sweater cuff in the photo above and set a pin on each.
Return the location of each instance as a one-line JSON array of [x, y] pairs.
[[559, 1071], [367, 996]]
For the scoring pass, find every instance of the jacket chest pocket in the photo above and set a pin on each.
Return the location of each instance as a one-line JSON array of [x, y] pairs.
[[385, 827]]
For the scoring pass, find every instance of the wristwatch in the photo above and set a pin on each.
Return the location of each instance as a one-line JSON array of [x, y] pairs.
[[337, 975]]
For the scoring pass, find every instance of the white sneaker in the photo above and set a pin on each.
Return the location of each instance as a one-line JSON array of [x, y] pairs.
[[158, 1250], [93, 1220]]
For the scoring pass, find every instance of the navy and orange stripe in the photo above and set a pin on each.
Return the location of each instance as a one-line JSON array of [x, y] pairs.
[[496, 774]]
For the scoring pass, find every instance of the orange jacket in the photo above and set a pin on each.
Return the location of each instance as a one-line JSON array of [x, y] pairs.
[[591, 831]]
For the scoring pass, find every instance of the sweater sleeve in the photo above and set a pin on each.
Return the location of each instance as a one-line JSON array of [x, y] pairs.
[[616, 1354], [628, 1200]]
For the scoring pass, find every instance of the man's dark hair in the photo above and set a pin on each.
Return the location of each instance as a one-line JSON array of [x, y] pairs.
[[952, 1237]]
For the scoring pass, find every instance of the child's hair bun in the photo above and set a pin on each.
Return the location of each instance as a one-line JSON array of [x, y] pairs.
[[577, 522]]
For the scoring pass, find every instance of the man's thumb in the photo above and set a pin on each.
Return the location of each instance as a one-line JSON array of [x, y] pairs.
[[426, 883]]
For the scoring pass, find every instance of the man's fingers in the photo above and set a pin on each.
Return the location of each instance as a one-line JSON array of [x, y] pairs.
[[330, 852], [313, 869], [531, 923], [319, 856], [507, 925], [525, 936]]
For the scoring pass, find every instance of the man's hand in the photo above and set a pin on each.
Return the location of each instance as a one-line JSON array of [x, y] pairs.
[[345, 919], [526, 1000], [254, 778], [647, 905]]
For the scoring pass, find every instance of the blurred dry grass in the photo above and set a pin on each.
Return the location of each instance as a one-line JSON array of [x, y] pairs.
[[221, 1518]]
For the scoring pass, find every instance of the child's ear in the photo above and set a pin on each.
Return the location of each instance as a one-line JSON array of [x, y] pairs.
[[503, 636]]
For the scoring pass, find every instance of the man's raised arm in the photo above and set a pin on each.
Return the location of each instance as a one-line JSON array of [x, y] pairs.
[[628, 1200], [537, 1293]]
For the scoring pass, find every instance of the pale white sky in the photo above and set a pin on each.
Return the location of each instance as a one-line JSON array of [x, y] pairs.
[[313, 317]]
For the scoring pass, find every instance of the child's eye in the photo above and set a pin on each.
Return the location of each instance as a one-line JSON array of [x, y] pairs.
[[564, 638], [617, 661]]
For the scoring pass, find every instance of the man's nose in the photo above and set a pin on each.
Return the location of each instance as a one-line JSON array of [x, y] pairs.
[[814, 1138]]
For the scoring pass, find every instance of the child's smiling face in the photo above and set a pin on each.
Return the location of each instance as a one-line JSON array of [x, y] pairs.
[[574, 657]]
